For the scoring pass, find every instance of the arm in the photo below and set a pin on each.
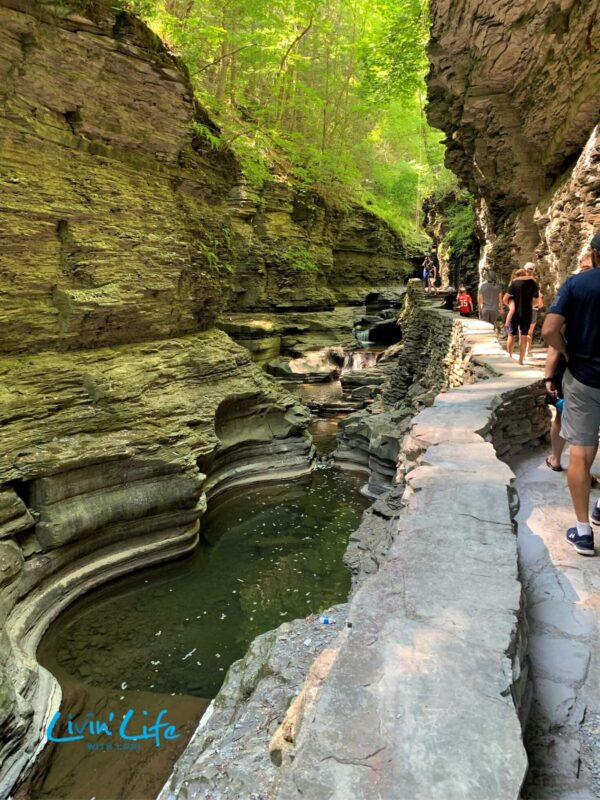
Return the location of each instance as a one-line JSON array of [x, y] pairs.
[[552, 360], [506, 299], [552, 332], [540, 301]]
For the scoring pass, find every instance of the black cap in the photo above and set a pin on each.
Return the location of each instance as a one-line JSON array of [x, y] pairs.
[[595, 243]]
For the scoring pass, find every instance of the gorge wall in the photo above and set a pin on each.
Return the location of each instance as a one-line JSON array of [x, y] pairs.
[[122, 407], [515, 87]]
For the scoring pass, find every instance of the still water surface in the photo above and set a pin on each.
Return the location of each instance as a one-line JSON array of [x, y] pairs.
[[166, 636]]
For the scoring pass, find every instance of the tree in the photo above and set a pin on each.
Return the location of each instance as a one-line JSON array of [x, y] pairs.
[[329, 92]]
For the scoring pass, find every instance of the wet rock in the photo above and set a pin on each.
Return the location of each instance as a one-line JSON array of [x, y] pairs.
[[363, 377]]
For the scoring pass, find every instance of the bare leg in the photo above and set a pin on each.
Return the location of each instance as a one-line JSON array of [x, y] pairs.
[[580, 462], [529, 341], [510, 344], [522, 347], [556, 440]]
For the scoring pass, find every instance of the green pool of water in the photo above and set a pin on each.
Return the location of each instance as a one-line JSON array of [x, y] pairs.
[[269, 555]]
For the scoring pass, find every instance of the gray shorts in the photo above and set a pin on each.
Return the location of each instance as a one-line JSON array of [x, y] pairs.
[[581, 412], [488, 315]]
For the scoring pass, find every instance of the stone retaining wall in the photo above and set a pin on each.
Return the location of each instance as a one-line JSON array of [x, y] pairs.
[[433, 358]]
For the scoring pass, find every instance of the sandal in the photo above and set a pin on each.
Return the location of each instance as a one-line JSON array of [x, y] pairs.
[[553, 468]]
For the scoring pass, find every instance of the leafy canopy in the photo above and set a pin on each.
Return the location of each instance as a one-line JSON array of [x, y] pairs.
[[330, 92]]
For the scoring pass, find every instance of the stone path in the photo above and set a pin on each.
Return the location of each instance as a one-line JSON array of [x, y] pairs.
[[563, 603]]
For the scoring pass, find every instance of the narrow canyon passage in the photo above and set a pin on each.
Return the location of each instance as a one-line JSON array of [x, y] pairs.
[[562, 591], [239, 387]]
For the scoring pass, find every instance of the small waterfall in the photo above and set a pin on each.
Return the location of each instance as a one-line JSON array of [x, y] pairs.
[[362, 336], [360, 359]]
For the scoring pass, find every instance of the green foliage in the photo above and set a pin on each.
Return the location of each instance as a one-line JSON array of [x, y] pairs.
[[329, 92], [300, 258], [208, 135], [461, 226], [394, 56]]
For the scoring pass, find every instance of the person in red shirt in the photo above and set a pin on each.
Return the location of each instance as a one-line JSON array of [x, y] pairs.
[[465, 302]]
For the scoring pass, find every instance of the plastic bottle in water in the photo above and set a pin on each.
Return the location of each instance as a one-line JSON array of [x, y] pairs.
[[559, 405]]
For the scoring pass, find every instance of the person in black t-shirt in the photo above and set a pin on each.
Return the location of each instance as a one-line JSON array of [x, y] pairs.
[[577, 308], [522, 292]]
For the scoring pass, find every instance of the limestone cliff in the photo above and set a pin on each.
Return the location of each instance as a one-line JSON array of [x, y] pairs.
[[122, 408], [122, 222], [113, 205], [295, 251], [515, 87]]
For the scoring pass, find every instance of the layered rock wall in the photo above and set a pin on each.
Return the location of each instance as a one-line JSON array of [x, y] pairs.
[[104, 470], [123, 223], [113, 205], [122, 408], [515, 87], [567, 216], [295, 251], [433, 358]]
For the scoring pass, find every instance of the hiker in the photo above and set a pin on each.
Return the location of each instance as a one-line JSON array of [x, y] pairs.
[[572, 327], [555, 370], [523, 290], [516, 273], [489, 299], [427, 270], [537, 306], [465, 302], [431, 276]]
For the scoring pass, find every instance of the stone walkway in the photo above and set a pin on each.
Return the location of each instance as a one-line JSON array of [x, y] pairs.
[[563, 602]]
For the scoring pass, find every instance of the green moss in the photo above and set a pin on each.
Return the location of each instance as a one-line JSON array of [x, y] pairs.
[[300, 258]]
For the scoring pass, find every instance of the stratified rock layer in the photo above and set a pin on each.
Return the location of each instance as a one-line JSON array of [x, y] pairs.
[[113, 205], [568, 215], [122, 409], [296, 251], [104, 469], [515, 87]]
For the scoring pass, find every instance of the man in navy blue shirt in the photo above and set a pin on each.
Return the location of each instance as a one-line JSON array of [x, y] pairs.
[[577, 308]]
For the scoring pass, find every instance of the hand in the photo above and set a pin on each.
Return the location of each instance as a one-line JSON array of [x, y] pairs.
[[551, 387]]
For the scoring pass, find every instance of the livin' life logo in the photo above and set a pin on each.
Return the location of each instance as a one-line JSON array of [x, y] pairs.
[[124, 730]]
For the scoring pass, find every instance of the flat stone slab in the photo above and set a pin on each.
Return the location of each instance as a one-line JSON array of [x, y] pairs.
[[418, 704], [559, 659], [564, 616]]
